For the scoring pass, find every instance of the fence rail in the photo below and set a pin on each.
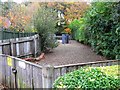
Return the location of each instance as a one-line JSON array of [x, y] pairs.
[[17, 73], [19, 47], [7, 34]]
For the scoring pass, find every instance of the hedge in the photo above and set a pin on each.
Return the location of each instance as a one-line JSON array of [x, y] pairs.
[[101, 28]]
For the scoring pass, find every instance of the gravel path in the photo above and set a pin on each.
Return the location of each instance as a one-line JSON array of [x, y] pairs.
[[71, 53]]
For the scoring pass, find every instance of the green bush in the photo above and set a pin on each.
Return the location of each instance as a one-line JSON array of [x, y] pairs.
[[45, 21], [103, 27], [100, 28], [74, 26], [77, 27], [89, 79]]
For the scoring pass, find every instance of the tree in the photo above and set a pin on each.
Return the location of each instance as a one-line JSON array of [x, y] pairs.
[[70, 10], [44, 22], [21, 15]]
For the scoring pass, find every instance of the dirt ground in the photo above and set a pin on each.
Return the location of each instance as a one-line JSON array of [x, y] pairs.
[[71, 53]]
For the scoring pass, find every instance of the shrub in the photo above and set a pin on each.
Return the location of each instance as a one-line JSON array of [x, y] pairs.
[[77, 27], [100, 28], [88, 78], [74, 25], [45, 22]]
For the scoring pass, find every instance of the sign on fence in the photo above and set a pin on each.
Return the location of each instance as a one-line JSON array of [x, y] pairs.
[[9, 61]]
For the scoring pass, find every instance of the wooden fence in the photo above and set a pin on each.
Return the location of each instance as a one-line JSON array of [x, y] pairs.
[[24, 46], [17, 73]]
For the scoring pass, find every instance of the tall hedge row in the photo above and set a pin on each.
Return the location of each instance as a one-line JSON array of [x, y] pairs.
[[101, 28]]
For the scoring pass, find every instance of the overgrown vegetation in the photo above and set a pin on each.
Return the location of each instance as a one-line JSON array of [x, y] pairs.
[[45, 22], [100, 27], [90, 78]]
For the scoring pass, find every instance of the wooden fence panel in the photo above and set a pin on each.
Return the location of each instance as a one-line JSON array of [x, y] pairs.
[[30, 75], [19, 47], [37, 77]]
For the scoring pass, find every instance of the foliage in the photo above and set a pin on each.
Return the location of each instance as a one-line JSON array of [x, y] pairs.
[[101, 28], [90, 78], [111, 70], [77, 27], [45, 22], [72, 10], [19, 15], [74, 25]]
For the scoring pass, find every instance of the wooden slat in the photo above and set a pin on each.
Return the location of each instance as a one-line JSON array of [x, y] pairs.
[[63, 71], [88, 63], [1, 69], [5, 72], [1, 50], [22, 41], [57, 73], [40, 82], [27, 75], [17, 48], [25, 48], [28, 47], [70, 69], [38, 77], [47, 76], [31, 76], [13, 47], [6, 49], [18, 74], [21, 49]]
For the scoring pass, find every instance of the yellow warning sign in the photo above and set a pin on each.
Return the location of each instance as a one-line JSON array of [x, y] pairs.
[[9, 61]]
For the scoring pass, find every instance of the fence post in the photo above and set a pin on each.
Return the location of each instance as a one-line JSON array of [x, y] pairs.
[[35, 45], [12, 48], [47, 76]]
